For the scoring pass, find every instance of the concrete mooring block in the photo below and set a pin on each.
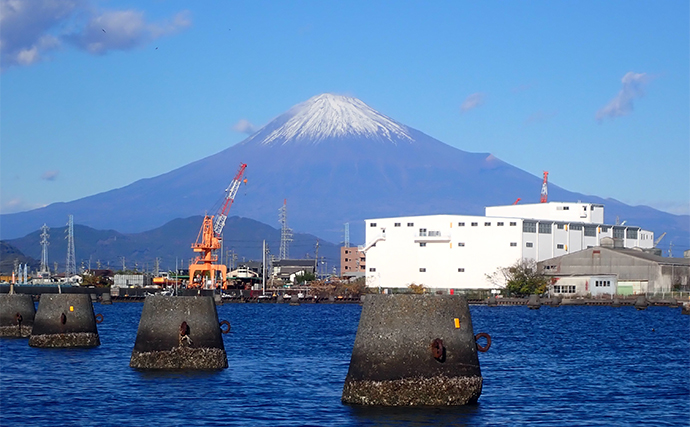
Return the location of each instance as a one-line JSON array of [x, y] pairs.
[[179, 333], [414, 350], [17, 313], [64, 320]]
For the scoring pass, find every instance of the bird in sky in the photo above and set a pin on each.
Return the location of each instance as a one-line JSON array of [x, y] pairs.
[[103, 29]]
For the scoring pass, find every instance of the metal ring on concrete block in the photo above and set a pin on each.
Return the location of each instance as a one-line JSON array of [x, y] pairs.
[[225, 330], [485, 348]]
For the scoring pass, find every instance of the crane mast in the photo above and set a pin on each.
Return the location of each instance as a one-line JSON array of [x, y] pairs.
[[544, 188], [204, 269]]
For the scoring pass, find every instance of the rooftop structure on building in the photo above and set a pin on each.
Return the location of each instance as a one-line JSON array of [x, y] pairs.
[[461, 251]]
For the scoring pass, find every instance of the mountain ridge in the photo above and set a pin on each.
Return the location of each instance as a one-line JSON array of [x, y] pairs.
[[338, 180]]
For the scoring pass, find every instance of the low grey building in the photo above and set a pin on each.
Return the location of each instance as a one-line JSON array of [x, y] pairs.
[[636, 272]]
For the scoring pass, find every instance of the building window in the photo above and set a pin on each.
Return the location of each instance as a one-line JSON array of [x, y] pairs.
[[604, 229], [461, 224], [487, 224], [560, 226], [631, 233], [500, 224], [529, 244], [566, 208], [559, 246], [474, 224], [410, 224], [373, 224], [422, 232], [513, 224], [513, 243], [618, 232], [422, 244], [529, 227], [590, 230], [575, 227], [422, 270], [461, 270], [544, 228], [346, 251], [397, 224], [372, 269], [461, 244], [347, 259]]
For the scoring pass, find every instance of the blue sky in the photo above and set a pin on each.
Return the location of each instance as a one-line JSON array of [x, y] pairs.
[[98, 94]]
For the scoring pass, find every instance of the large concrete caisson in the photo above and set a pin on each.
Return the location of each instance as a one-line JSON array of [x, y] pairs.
[[414, 350], [179, 333], [64, 320], [17, 314]]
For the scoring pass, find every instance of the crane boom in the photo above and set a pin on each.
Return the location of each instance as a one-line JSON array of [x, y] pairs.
[[230, 194]]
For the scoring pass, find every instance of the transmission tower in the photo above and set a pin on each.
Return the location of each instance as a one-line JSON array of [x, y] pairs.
[[71, 265], [347, 235], [285, 232], [45, 270]]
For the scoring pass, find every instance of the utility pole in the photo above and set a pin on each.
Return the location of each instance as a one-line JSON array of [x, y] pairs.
[[263, 270], [316, 259]]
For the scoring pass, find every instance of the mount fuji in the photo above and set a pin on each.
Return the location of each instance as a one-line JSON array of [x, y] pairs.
[[335, 160]]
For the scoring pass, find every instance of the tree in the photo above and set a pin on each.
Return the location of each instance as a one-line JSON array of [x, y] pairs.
[[520, 279], [417, 289], [301, 279]]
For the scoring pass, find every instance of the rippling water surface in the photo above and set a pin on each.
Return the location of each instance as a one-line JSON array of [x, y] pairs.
[[565, 366]]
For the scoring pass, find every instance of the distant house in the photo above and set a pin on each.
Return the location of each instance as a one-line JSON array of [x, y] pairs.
[[352, 262], [635, 271], [287, 269]]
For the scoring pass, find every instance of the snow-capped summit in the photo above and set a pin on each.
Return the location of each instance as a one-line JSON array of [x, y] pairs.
[[330, 116]]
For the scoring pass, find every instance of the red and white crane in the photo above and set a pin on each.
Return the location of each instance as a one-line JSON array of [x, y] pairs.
[[544, 188]]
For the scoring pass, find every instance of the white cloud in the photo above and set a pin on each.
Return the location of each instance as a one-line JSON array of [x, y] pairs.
[[622, 104], [473, 101], [123, 30], [50, 175], [17, 204], [30, 30], [244, 126], [24, 27]]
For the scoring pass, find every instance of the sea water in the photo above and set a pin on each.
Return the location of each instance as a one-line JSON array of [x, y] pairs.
[[565, 366]]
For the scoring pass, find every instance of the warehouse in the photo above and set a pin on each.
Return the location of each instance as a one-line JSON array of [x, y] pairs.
[[636, 272]]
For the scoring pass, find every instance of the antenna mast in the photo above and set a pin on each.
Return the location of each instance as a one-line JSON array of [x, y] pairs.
[[544, 188], [45, 270], [71, 265], [285, 232]]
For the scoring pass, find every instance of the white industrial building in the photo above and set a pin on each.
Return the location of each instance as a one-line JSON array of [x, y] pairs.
[[459, 251]]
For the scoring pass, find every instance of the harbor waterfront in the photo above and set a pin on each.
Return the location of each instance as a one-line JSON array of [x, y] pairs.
[[570, 365]]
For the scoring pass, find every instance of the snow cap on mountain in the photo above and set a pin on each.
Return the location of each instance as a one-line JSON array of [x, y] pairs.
[[331, 116]]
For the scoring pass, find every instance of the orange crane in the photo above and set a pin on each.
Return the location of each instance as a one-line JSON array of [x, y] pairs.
[[204, 270], [544, 189]]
